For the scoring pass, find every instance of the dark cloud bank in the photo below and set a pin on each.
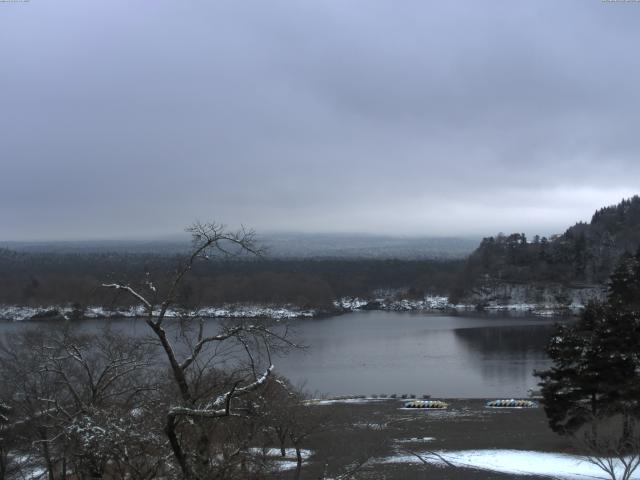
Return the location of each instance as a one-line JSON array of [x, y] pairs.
[[130, 118]]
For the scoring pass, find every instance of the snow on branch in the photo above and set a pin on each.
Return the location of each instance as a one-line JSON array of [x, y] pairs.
[[220, 407], [131, 291]]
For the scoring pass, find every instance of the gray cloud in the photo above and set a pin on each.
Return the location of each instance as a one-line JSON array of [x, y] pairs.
[[130, 118]]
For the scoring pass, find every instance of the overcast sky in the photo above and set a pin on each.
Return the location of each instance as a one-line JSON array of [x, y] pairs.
[[126, 118]]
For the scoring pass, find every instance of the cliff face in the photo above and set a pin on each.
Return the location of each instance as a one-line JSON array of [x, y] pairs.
[[533, 296]]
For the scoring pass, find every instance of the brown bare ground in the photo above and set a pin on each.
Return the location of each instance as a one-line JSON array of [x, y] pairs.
[[360, 432]]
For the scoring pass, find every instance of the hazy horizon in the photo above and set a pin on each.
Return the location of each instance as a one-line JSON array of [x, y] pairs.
[[127, 119], [276, 246], [177, 235]]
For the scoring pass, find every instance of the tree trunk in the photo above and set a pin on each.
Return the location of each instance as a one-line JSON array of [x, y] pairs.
[[282, 438], [202, 452], [298, 462], [170, 431], [178, 373], [626, 431], [45, 452], [3, 463]]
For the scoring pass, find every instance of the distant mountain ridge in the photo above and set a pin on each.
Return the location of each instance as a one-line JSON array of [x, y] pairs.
[[281, 245]]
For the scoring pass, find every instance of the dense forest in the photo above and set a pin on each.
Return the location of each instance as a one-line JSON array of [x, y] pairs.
[[55, 279]]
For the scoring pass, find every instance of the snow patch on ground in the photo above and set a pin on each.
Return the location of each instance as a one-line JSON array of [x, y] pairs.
[[275, 452], [29, 468], [415, 440], [517, 462], [334, 401], [280, 463]]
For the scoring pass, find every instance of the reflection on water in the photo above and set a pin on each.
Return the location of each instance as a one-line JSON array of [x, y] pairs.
[[515, 341], [464, 355], [441, 355], [505, 356]]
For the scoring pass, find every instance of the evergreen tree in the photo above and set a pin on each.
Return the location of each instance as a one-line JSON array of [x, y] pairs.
[[4, 411], [624, 285], [596, 361]]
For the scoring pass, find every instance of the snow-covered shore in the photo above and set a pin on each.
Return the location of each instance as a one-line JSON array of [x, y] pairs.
[[430, 303], [23, 313], [442, 304]]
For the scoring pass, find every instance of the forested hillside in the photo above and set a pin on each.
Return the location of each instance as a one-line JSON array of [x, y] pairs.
[[586, 253]]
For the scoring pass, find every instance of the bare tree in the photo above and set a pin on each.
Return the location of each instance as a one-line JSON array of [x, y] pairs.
[[106, 406], [289, 419], [4, 447], [72, 398], [282, 397], [204, 392], [613, 445]]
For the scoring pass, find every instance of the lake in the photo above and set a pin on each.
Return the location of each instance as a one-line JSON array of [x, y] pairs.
[[399, 352], [463, 355]]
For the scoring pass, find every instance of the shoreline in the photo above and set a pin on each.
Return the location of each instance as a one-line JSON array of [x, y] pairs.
[[431, 304]]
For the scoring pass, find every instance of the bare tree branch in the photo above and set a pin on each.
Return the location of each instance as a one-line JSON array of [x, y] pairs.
[[131, 291], [220, 406]]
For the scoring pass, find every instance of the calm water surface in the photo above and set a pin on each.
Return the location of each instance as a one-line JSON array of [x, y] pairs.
[[442, 355], [463, 355]]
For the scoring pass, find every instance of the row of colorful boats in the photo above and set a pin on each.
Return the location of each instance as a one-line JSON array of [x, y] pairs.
[[440, 405], [512, 403], [432, 404]]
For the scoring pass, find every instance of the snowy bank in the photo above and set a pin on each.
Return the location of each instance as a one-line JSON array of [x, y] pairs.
[[391, 301], [515, 462], [21, 313], [442, 304]]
